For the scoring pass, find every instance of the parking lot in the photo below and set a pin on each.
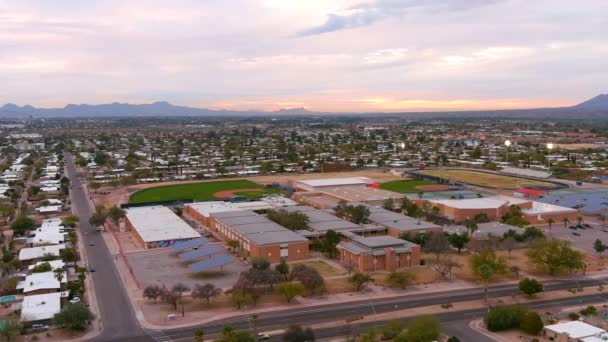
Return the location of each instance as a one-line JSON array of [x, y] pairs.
[[581, 238], [164, 268]]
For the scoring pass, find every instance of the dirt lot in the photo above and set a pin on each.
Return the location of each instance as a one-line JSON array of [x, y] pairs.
[[117, 196], [164, 268]]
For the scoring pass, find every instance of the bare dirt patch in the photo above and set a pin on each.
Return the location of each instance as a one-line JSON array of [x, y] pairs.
[[231, 193]]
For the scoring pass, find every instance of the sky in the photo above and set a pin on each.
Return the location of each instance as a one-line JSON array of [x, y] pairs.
[[323, 55]]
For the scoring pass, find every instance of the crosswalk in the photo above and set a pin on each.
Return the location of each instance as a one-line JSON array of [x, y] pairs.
[[159, 336]]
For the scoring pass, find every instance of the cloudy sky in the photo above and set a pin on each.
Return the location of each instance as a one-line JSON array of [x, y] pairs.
[[325, 55]]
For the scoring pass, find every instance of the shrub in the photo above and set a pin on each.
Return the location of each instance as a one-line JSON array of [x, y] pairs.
[[392, 328], [589, 311], [504, 317], [574, 316], [531, 323]]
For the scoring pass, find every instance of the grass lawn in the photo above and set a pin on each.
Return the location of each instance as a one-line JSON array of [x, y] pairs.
[[197, 191], [404, 186], [323, 268], [485, 179]]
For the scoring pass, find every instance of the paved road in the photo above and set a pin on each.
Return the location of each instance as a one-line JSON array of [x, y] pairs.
[[117, 315], [281, 319]]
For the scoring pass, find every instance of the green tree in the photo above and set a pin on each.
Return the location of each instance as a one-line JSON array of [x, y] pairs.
[[233, 244], [388, 204], [530, 286], [289, 220], [504, 317], [599, 248], [10, 329], [423, 329], [360, 280], [283, 268], [400, 279], [486, 265], [74, 317], [471, 227], [550, 222], [393, 328], [329, 242], [43, 267], [152, 292], [260, 263], [68, 255], [206, 292], [94, 186], [290, 290], [531, 323], [70, 221], [437, 244], [458, 241], [115, 214], [22, 224], [555, 257]]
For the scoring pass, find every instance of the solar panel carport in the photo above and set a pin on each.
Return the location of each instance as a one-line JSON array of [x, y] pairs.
[[201, 252], [211, 263], [182, 246]]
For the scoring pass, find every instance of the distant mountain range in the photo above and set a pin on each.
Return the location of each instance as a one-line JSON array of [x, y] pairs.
[[596, 107]]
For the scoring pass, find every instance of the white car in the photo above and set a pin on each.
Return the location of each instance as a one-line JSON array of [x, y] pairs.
[[75, 300]]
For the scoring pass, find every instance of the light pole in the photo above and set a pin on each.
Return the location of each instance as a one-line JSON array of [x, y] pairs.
[[507, 144], [549, 147]]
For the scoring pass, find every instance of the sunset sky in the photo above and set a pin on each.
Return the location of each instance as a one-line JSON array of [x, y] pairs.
[[324, 55]]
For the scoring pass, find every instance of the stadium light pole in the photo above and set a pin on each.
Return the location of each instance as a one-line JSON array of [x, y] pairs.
[[507, 144]]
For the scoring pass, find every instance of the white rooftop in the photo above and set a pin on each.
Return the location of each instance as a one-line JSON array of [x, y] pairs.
[[41, 281], [472, 203], [545, 208], [39, 252], [55, 264], [158, 223], [208, 208], [336, 181], [40, 307], [575, 329]]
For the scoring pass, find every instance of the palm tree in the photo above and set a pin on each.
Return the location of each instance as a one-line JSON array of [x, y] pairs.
[[566, 221], [579, 220], [550, 222], [199, 334], [471, 226]]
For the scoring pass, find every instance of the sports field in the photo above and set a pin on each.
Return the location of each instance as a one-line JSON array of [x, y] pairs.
[[404, 186], [200, 191], [486, 179]]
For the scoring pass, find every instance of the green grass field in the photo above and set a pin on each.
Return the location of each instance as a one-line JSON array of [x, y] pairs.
[[403, 186], [198, 191]]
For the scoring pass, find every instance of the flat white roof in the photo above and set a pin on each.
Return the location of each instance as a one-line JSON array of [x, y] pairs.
[[40, 307], [575, 329], [472, 203], [336, 181], [41, 281], [55, 264], [158, 223], [546, 208], [48, 237], [208, 208], [32, 253]]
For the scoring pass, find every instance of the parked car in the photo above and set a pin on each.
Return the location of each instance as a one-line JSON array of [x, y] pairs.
[[576, 234], [91, 243], [75, 300], [39, 327], [91, 269], [263, 337], [587, 225], [572, 227]]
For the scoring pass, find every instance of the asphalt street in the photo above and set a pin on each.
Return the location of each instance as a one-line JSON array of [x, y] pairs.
[[118, 318]]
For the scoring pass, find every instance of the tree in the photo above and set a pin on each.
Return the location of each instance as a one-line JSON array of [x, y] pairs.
[[555, 257], [453, 339], [206, 292], [438, 244], [73, 317], [260, 263], [152, 292], [599, 248], [388, 204], [22, 224], [486, 265], [68, 255], [296, 333], [565, 220], [94, 186], [508, 243], [199, 335], [115, 214], [531, 323], [329, 242], [309, 277], [70, 221], [180, 288], [444, 266], [97, 219], [289, 220], [239, 299], [504, 317], [530, 286], [233, 244], [290, 290], [360, 280], [458, 241], [423, 329], [393, 328], [43, 267], [471, 227], [400, 279], [283, 268]]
